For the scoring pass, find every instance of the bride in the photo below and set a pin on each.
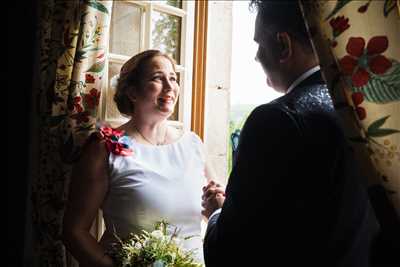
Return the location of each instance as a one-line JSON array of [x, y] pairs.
[[140, 173]]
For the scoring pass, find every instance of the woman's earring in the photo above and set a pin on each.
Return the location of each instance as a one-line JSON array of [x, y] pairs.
[[132, 98]]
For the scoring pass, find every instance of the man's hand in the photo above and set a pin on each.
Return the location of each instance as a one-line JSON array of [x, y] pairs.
[[213, 198]]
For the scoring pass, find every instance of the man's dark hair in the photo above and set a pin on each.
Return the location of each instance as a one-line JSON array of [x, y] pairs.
[[283, 16]]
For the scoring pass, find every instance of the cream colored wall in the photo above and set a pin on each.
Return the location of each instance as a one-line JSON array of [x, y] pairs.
[[219, 49]]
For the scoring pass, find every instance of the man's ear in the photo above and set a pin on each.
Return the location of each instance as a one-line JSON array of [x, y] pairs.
[[285, 44]]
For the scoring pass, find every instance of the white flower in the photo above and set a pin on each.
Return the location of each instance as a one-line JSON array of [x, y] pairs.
[[157, 234], [138, 245]]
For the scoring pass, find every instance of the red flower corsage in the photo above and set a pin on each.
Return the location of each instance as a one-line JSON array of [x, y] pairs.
[[116, 141]]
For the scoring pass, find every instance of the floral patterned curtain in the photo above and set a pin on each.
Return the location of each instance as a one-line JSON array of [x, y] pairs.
[[357, 45], [73, 37]]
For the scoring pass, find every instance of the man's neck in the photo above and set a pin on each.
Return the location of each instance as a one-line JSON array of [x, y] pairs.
[[302, 76]]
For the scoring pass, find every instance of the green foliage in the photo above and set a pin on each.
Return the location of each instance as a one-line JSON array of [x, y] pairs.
[[238, 117], [166, 34], [175, 3]]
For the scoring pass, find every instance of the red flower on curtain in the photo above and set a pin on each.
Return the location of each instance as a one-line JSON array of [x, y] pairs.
[[339, 24], [81, 117], [362, 61], [89, 78], [358, 98], [77, 103], [363, 8], [92, 99]]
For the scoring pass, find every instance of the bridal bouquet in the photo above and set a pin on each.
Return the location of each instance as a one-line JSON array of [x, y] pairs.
[[152, 249]]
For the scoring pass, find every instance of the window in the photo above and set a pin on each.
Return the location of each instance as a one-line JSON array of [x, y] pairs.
[[140, 25]]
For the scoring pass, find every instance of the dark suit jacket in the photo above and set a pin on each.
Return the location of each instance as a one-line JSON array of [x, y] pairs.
[[294, 196]]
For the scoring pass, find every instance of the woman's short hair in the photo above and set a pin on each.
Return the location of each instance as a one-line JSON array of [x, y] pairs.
[[131, 78]]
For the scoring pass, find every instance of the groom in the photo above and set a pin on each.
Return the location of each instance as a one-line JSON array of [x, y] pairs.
[[294, 196]]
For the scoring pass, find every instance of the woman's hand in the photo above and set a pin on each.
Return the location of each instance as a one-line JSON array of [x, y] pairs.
[[213, 198]]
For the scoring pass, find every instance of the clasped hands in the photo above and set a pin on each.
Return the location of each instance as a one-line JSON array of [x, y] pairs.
[[212, 199]]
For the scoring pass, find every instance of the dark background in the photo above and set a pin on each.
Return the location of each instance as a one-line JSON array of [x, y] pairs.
[[20, 46]]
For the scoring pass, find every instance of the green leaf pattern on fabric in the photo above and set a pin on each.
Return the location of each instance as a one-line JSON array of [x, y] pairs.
[[97, 5], [375, 130], [97, 67], [388, 7], [339, 5], [383, 88]]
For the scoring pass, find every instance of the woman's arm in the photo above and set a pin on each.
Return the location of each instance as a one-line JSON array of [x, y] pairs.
[[89, 185]]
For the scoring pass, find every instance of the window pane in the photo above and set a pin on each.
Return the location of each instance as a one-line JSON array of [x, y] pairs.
[[166, 32], [112, 112], [125, 28], [174, 3]]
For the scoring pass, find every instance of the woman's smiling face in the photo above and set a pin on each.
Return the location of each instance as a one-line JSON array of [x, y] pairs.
[[159, 88]]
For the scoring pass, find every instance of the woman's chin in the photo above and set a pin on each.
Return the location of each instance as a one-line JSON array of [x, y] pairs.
[[166, 109]]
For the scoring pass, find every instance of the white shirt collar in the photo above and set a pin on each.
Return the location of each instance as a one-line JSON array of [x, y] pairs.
[[302, 77]]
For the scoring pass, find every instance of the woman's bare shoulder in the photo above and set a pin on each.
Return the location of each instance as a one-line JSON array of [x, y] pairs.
[[94, 148]]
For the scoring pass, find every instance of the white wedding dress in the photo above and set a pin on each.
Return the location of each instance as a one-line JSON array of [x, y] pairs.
[[155, 183]]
